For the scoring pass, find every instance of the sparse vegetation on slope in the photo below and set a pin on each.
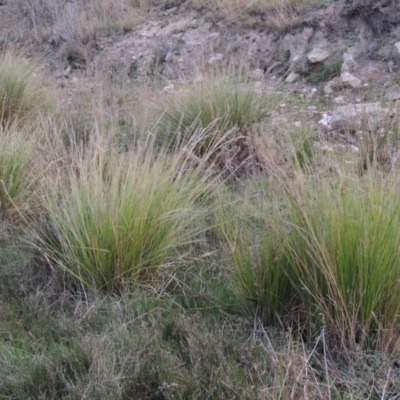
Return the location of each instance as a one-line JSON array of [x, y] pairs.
[[268, 14], [196, 238]]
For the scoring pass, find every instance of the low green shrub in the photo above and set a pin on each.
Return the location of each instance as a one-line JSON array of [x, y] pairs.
[[324, 72]]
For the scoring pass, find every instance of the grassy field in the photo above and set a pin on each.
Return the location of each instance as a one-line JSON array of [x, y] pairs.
[[187, 245]]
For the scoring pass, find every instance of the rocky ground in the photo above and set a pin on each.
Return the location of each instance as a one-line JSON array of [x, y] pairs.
[[361, 40], [332, 54], [357, 41]]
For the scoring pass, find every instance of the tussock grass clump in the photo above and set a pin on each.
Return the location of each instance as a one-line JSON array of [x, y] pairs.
[[21, 90], [117, 218], [343, 246], [224, 98], [328, 246], [16, 148], [248, 234], [224, 107]]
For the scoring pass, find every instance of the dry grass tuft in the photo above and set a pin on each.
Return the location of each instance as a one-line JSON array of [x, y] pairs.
[[22, 93], [79, 20], [276, 14], [118, 218]]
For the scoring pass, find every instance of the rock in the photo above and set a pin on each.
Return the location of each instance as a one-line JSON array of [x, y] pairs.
[[134, 70], [395, 95], [396, 52], [213, 35], [322, 146], [390, 66], [65, 37], [214, 59], [350, 80], [198, 79], [349, 64], [333, 85], [258, 87], [169, 56], [53, 40], [67, 71], [356, 117], [257, 74], [169, 88], [294, 46], [328, 89], [58, 74], [311, 108], [318, 55], [292, 77], [381, 16], [325, 122], [339, 100]]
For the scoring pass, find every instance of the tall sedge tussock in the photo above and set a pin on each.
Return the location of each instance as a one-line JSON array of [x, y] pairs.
[[250, 241], [117, 218], [227, 105], [21, 93], [16, 147], [331, 245], [225, 98], [343, 244]]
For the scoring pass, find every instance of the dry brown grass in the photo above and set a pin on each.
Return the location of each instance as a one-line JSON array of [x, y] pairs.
[[21, 89], [45, 20], [272, 14], [38, 21]]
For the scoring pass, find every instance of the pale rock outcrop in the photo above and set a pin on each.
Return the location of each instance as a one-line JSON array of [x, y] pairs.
[[350, 80], [333, 85], [356, 117], [396, 52], [318, 55], [349, 64], [214, 59], [292, 77], [295, 47]]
